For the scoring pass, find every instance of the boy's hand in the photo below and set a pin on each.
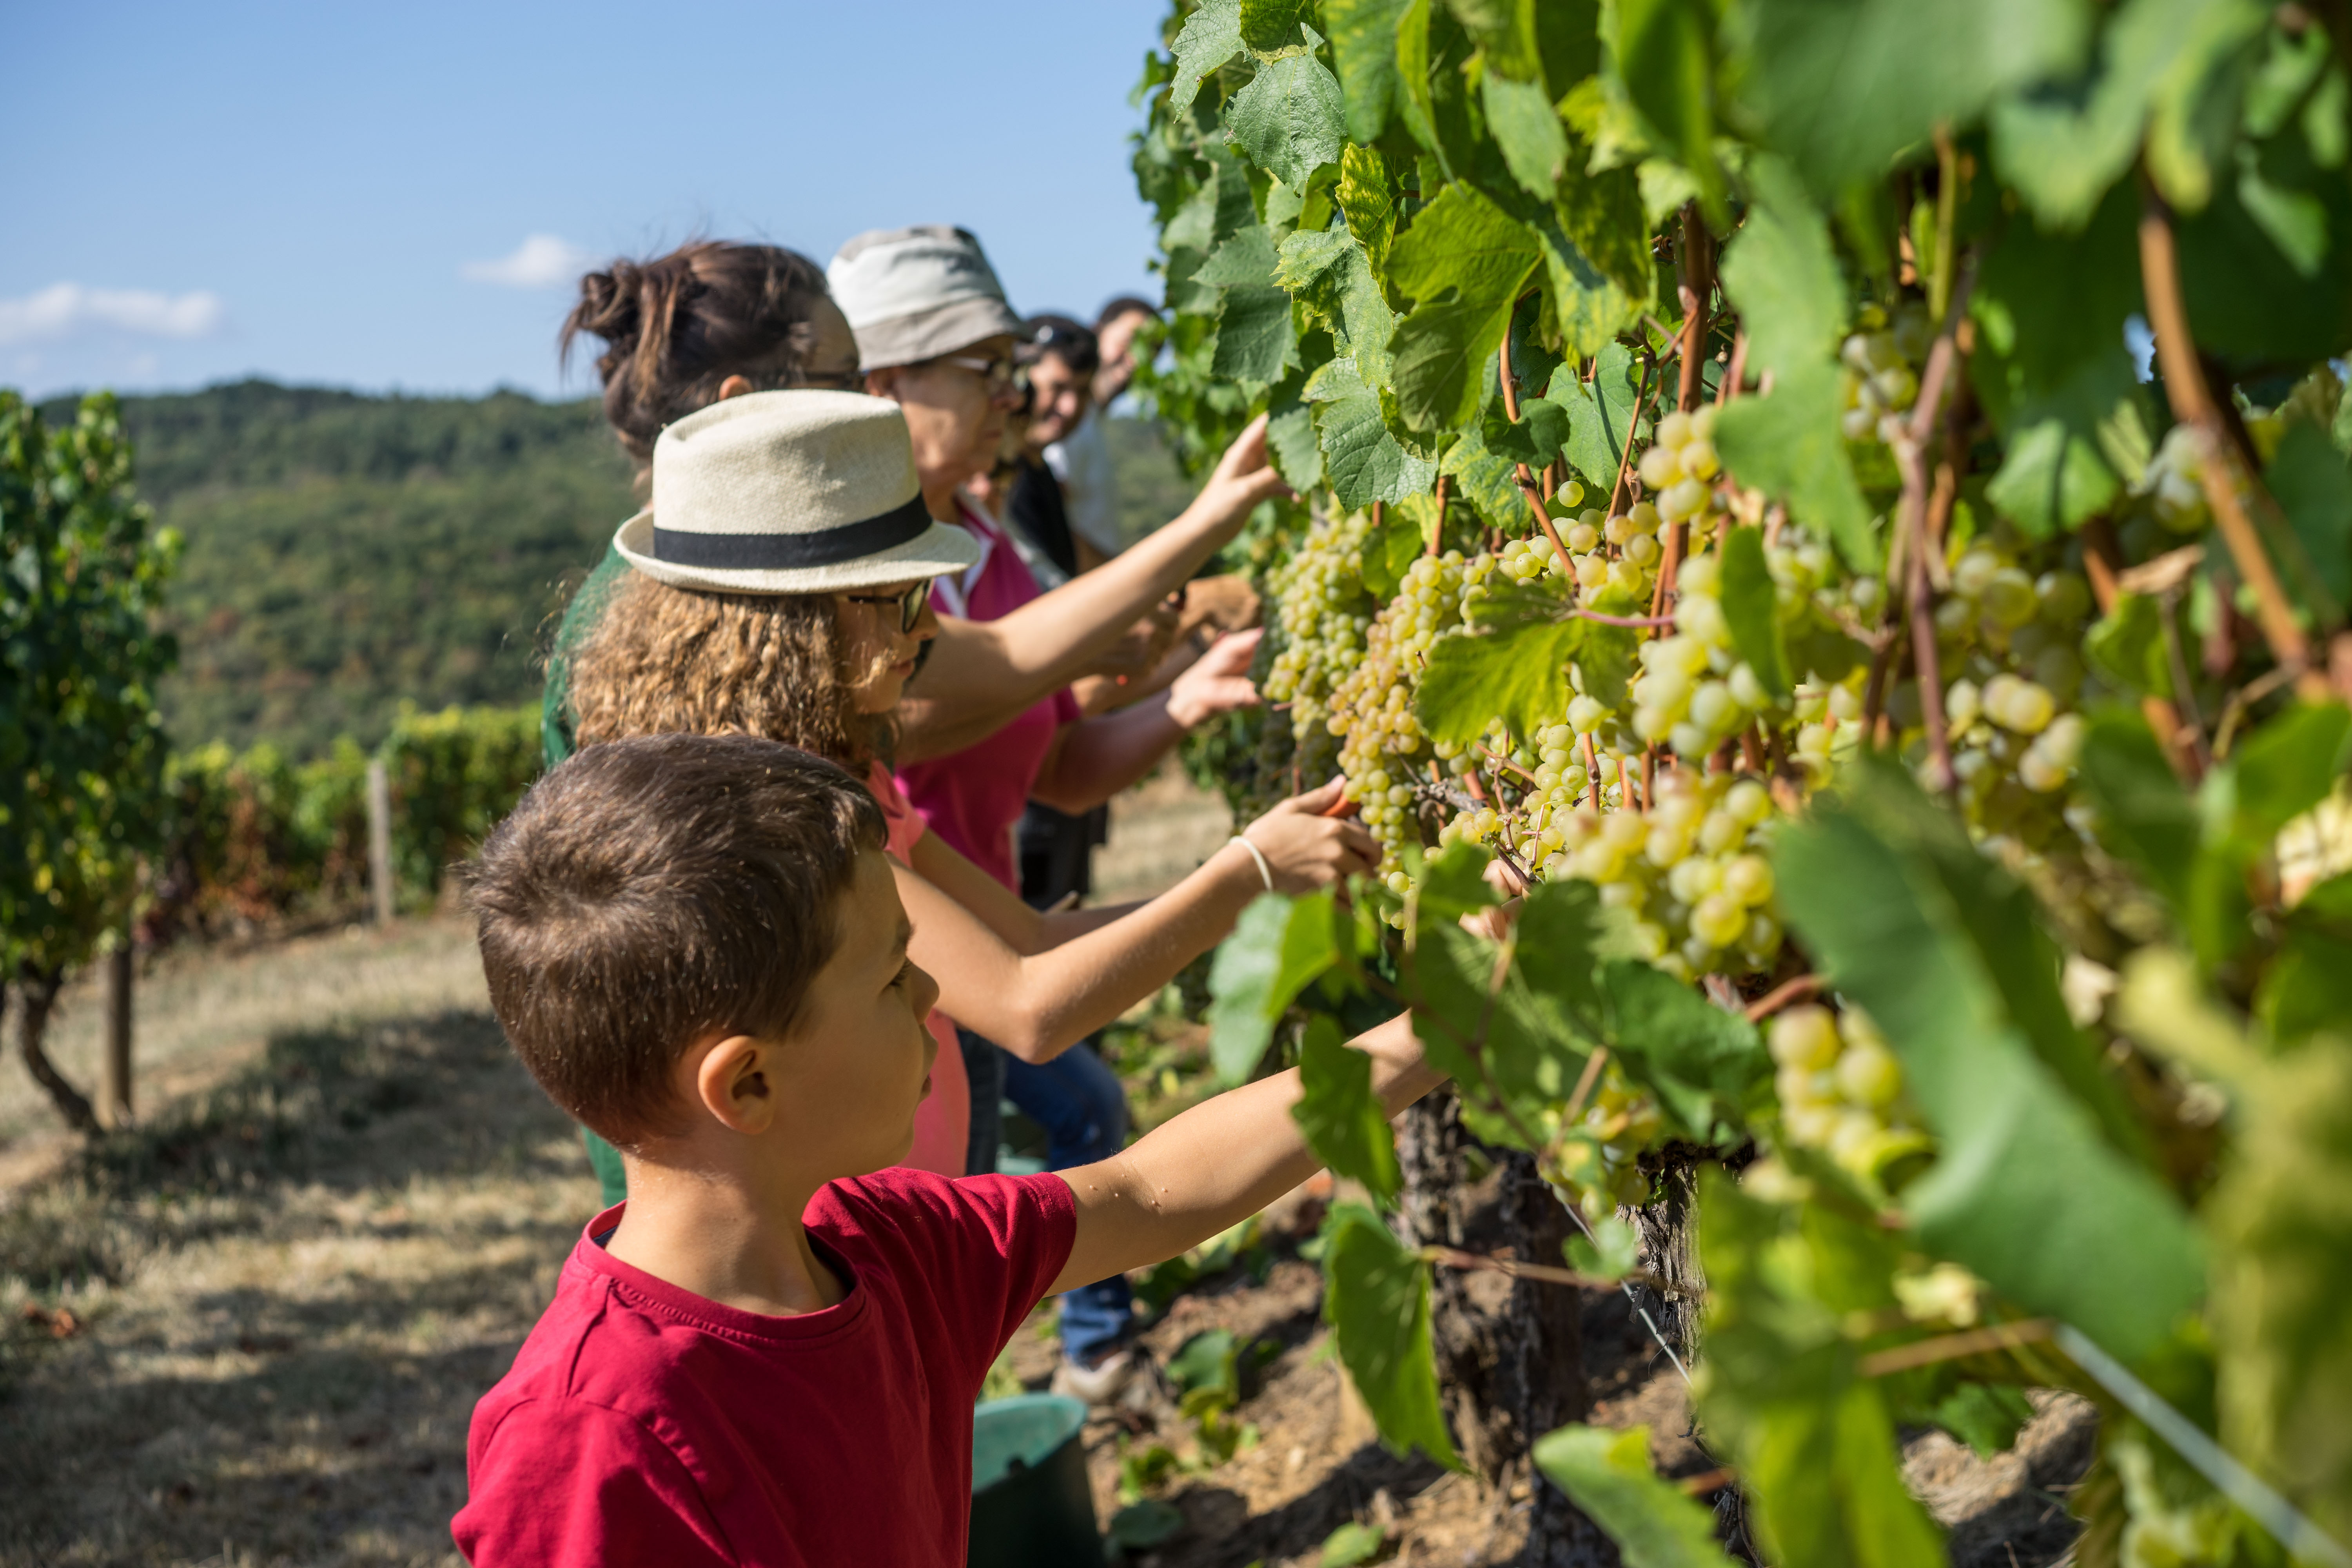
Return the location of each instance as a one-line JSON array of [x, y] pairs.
[[1216, 1164]]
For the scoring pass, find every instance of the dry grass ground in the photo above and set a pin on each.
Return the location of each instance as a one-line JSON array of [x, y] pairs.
[[294, 1281]]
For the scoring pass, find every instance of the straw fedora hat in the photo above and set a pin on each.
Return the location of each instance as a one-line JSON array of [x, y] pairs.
[[790, 492]]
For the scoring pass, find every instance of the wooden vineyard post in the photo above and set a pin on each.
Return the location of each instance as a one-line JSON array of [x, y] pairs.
[[115, 975], [379, 811]]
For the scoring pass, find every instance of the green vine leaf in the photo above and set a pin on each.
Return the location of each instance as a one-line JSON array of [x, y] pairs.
[[1466, 261], [1364, 52], [1212, 36], [1783, 274], [1609, 1475], [1520, 117], [1601, 417], [1290, 118], [1788, 445], [1278, 948], [1751, 606], [1377, 1302], [1342, 1115]]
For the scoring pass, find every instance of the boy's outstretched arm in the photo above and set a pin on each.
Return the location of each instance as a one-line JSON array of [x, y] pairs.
[[1216, 1164]]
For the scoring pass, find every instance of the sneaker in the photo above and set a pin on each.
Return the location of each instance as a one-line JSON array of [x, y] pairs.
[[1102, 1383]]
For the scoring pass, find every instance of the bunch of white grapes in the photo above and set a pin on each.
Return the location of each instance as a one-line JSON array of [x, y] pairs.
[[1689, 872], [1382, 751], [1841, 1088], [1323, 614], [1679, 470], [1880, 371], [1606, 1141]]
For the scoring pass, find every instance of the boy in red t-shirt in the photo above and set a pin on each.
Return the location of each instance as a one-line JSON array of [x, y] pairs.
[[770, 1353]]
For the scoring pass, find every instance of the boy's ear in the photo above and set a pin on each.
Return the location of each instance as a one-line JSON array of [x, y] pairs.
[[736, 1084]]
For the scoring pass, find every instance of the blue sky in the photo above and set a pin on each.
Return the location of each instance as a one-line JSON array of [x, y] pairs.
[[374, 196]]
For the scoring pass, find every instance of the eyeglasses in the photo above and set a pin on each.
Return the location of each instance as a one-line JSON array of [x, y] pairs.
[[996, 373], [911, 604]]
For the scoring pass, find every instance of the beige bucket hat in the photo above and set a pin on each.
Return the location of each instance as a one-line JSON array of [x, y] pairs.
[[913, 294], [790, 492]]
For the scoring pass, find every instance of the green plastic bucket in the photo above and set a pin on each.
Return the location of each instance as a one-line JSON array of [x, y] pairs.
[[1031, 1506]]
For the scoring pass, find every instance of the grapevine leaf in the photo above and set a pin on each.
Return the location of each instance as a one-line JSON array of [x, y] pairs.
[[1246, 260], [1701, 1061], [1341, 1114], [1364, 201], [1414, 102], [1307, 255], [1362, 462], [1270, 25], [1256, 338], [1608, 1475], [1505, 30], [2281, 1236], [1665, 56], [1377, 1303], [2127, 644], [1987, 1417], [1613, 1251], [1601, 214], [2146, 818], [1352, 1544], [1782, 273], [1523, 122], [1278, 946], [1489, 481], [1364, 49], [1844, 85], [1788, 445], [1751, 609], [1600, 418], [2063, 145], [1290, 439], [1212, 36], [2308, 986], [1513, 669], [2025, 1191], [2248, 297], [1813, 1442], [1466, 260], [1586, 299], [2050, 480], [2312, 485], [1534, 440], [1288, 119], [1390, 553], [2278, 773], [1504, 1046], [1452, 883]]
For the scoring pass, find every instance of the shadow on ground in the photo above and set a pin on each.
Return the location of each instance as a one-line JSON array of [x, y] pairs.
[[289, 1292]]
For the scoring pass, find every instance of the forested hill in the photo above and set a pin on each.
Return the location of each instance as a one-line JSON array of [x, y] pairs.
[[346, 553]]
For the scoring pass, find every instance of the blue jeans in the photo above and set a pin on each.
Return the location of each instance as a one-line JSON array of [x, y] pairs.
[[1082, 1106], [984, 1068]]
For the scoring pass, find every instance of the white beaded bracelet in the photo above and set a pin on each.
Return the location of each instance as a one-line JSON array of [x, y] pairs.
[[1263, 869]]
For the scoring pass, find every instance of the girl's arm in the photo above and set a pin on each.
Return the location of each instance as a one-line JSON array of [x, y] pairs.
[[1038, 1003], [1094, 759], [1216, 1164], [983, 673]]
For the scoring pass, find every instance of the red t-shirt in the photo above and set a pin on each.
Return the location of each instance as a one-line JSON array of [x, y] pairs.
[[642, 1423], [973, 798], [943, 1120]]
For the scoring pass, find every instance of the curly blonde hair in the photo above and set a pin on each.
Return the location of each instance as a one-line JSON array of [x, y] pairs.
[[668, 660]]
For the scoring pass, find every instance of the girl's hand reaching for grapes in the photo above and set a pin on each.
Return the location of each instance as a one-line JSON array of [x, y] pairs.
[[1218, 682], [1305, 849]]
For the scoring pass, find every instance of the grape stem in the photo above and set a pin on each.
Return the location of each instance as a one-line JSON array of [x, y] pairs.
[[1951, 1347], [1526, 479], [1728, 387], [1625, 457], [1697, 282], [1610, 620], [1783, 995], [2192, 405], [1585, 1081], [1917, 538]]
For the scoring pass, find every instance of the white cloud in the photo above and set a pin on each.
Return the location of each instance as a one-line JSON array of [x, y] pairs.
[[541, 261], [63, 309]]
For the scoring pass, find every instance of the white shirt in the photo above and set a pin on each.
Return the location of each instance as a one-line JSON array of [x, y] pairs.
[[1089, 476]]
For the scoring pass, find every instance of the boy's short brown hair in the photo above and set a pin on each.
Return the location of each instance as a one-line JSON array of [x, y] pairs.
[[651, 890]]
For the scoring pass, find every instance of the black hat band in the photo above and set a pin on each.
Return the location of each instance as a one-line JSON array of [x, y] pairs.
[[783, 552]]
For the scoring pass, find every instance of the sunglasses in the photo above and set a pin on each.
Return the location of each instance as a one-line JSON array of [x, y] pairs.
[[910, 603], [997, 374]]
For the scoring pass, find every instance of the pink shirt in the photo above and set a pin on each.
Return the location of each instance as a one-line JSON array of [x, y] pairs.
[[943, 1120], [642, 1423], [973, 798]]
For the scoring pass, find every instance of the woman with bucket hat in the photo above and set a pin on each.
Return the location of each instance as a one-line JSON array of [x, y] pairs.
[[936, 334], [780, 586]]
